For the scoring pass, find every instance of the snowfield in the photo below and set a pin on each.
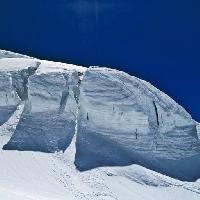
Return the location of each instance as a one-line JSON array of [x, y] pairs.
[[68, 133]]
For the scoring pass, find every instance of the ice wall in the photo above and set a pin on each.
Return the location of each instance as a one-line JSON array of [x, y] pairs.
[[14, 74], [125, 120], [48, 121], [121, 119]]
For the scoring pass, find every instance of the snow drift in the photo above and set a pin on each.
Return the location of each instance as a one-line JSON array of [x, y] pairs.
[[118, 119]]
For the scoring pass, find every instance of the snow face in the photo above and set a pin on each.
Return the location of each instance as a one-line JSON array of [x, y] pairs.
[[35, 175], [50, 111], [198, 130], [14, 74], [124, 120], [118, 119], [8, 97]]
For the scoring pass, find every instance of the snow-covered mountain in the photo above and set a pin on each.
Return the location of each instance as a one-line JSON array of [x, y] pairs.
[[78, 130]]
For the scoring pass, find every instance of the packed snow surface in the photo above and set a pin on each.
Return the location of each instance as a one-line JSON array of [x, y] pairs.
[[70, 132]]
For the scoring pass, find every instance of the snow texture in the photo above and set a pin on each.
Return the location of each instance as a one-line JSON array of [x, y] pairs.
[[198, 130], [9, 54], [124, 120], [14, 74], [41, 176], [48, 121], [113, 119]]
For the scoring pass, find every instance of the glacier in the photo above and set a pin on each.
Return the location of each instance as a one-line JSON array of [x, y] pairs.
[[124, 120], [121, 120], [117, 119]]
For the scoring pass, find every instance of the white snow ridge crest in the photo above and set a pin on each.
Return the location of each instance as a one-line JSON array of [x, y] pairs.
[[70, 132]]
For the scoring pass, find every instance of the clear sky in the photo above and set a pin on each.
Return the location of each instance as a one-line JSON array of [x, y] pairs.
[[156, 40]]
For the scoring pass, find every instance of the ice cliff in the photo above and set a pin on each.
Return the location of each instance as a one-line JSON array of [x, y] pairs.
[[118, 119]]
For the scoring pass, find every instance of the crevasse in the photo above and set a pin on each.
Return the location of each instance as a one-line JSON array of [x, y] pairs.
[[117, 119]]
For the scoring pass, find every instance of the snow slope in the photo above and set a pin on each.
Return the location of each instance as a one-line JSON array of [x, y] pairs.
[[40, 176], [69, 132]]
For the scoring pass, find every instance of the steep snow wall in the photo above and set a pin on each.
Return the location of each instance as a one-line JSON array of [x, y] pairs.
[[121, 119], [198, 130], [14, 74], [9, 54], [125, 120], [48, 121]]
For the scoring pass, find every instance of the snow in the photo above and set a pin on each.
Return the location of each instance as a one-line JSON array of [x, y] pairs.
[[8, 97], [9, 54], [123, 120], [52, 67], [16, 64], [40, 176], [198, 130], [49, 112], [71, 133]]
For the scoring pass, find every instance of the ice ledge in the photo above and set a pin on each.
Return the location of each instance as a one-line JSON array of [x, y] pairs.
[[10, 61], [58, 67], [9, 54], [99, 90]]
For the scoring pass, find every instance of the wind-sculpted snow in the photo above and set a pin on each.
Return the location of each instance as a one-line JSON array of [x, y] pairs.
[[9, 54], [14, 75], [35, 175], [8, 97], [48, 121], [118, 119], [198, 130], [123, 120]]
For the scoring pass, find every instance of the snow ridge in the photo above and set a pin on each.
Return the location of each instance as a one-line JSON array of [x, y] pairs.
[[112, 118]]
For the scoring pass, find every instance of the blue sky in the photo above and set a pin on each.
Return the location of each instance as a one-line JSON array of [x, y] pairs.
[[158, 41]]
